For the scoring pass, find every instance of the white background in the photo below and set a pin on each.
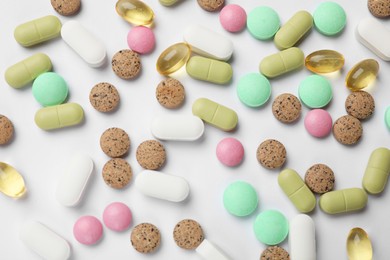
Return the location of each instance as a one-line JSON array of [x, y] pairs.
[[41, 156]]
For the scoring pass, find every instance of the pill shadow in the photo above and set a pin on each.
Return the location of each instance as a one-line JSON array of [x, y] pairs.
[[93, 178]]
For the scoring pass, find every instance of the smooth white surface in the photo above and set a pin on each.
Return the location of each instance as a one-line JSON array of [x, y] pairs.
[[209, 252], [302, 238], [41, 156]]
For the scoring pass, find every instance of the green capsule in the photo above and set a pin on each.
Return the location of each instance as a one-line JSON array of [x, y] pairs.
[[282, 62], [210, 70], [59, 116], [343, 201], [377, 171]]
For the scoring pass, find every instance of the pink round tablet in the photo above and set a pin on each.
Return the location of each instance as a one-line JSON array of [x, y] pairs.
[[230, 151], [232, 18], [88, 230], [117, 216], [141, 39], [318, 123]]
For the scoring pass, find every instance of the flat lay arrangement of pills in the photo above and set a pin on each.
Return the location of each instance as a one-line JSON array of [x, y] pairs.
[[179, 129]]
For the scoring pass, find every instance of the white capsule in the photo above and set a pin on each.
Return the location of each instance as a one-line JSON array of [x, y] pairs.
[[162, 186], [302, 240], [177, 127], [209, 252]]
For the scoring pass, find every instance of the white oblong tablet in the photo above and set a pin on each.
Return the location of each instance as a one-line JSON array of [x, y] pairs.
[[84, 43], [162, 186], [302, 240], [375, 36], [177, 127], [208, 43], [209, 252], [74, 180], [43, 241]]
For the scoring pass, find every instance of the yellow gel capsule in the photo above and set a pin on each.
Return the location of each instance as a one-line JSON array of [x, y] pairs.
[[359, 245], [11, 182], [173, 58], [135, 12], [59, 116], [362, 74], [210, 70], [282, 62], [324, 61]]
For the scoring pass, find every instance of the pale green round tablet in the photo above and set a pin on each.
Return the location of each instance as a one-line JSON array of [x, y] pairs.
[[253, 89], [387, 117], [50, 89], [263, 22], [315, 91], [240, 199], [329, 18], [271, 227]]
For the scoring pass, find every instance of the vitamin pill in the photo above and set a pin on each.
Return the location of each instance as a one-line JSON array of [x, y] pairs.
[[66, 7], [320, 178], [387, 117], [135, 12], [318, 123], [360, 104], [296, 190], [104, 97], [210, 70], [141, 39], [170, 93], [232, 18], [379, 8], [145, 238], [177, 127], [173, 58], [347, 130], [230, 151], [59, 116], [263, 22], [377, 171], [74, 180], [88, 230], [362, 75], [50, 89], [208, 251], [11, 181], [271, 154], [115, 142], [208, 43], [343, 201], [286, 108], [117, 216], [38, 30], [126, 64], [293, 30], [375, 36], [117, 173], [211, 6], [6, 130], [151, 154], [315, 91], [162, 186], [215, 114], [168, 2], [240, 199], [282, 62], [25, 71], [273, 252], [329, 18], [84, 43], [359, 245], [324, 61], [188, 234], [44, 242], [271, 227], [253, 89], [302, 238]]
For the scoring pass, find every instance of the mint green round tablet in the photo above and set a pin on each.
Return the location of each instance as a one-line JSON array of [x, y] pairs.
[[50, 89], [329, 18], [263, 22], [315, 91], [253, 89], [387, 117], [271, 227], [240, 199]]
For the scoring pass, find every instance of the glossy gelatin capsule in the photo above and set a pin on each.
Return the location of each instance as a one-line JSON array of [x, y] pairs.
[[135, 12], [362, 74], [358, 245], [173, 58], [11, 182], [324, 61]]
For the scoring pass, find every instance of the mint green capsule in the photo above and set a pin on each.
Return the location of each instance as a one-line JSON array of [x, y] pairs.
[[343, 201], [282, 62], [25, 71], [59, 116], [38, 30], [210, 70], [377, 171]]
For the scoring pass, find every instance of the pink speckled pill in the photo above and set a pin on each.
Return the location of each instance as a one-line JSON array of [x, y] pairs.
[[232, 18], [141, 39], [117, 216], [318, 123], [88, 230], [230, 151]]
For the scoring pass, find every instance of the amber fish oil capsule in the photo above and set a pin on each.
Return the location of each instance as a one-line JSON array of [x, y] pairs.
[[135, 12], [11, 181], [362, 74], [324, 61], [343, 201], [173, 58], [377, 171]]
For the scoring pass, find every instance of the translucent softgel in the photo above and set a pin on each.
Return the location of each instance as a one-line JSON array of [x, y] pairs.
[[135, 12], [362, 74], [11, 182]]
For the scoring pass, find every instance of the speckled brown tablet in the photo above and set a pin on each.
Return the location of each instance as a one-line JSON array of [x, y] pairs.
[[271, 154], [104, 97], [170, 93], [145, 238], [360, 104], [6, 130], [274, 253], [188, 234], [286, 108], [379, 8], [66, 7], [320, 178], [126, 64], [211, 5], [117, 173], [151, 154], [347, 130], [115, 142]]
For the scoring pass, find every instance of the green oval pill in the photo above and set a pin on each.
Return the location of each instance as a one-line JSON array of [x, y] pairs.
[[263, 22], [343, 201], [329, 18], [315, 91], [50, 89], [282, 62], [271, 227], [377, 171], [210, 70], [240, 199], [253, 89], [59, 116]]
